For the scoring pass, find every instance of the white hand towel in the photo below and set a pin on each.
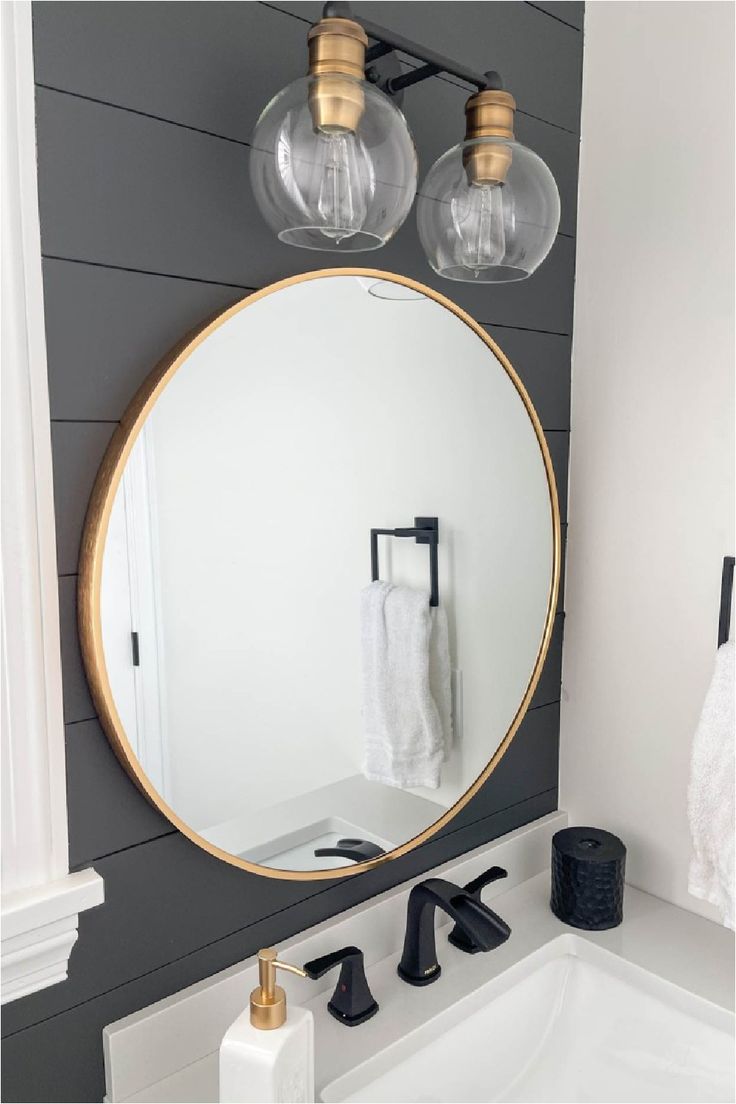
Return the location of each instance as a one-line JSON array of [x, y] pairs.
[[406, 686], [711, 792]]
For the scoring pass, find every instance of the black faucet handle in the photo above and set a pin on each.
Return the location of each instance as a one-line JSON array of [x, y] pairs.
[[358, 850], [459, 936], [352, 1003], [493, 874]]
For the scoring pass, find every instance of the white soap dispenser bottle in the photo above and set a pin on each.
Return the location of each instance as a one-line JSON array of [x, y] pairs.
[[265, 1056]]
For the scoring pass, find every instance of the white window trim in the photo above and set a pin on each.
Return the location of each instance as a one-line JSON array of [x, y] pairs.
[[41, 900]]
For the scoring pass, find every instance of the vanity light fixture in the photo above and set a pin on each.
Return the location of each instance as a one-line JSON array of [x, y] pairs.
[[333, 164], [489, 208]]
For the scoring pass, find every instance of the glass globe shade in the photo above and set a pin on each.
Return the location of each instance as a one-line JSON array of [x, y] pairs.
[[488, 232], [335, 188]]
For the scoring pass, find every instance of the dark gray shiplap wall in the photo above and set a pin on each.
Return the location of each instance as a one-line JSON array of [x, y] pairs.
[[148, 225]]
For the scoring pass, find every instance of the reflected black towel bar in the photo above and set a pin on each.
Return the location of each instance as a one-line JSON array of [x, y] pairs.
[[425, 531]]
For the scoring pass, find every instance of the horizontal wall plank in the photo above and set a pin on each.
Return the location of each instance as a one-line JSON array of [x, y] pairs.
[[559, 445], [548, 687], [125, 190], [560, 151], [182, 909], [216, 65], [77, 701], [569, 11], [540, 60], [107, 813], [77, 451], [543, 363], [106, 329], [208, 65]]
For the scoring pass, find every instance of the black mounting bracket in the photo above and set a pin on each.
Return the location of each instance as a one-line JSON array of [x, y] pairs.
[[386, 41]]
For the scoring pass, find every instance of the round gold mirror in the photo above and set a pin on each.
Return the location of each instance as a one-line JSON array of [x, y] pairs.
[[319, 573]]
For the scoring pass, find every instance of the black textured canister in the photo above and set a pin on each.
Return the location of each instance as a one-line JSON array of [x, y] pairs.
[[588, 878]]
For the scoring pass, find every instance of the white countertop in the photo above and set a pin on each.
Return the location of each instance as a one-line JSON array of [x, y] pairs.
[[169, 1052], [678, 946]]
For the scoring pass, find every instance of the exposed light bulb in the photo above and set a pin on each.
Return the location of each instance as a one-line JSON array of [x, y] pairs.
[[341, 185], [332, 161], [478, 218]]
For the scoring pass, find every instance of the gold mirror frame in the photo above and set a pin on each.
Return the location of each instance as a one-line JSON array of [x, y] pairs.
[[93, 545]]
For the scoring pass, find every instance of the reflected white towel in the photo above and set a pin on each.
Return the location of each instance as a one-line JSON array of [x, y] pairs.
[[711, 792], [406, 686]]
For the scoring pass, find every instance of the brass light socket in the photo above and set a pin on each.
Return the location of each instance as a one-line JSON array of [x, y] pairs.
[[268, 1000], [336, 50], [488, 114]]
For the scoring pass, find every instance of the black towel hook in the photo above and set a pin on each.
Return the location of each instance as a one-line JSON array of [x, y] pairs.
[[425, 531], [724, 615]]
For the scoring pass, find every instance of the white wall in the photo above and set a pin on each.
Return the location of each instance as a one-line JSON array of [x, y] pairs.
[[651, 483]]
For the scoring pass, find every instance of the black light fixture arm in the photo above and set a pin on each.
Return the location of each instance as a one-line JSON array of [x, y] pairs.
[[433, 63]]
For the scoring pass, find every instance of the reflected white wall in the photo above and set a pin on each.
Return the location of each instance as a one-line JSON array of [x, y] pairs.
[[308, 418]]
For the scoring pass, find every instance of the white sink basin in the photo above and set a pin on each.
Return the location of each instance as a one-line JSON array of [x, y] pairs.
[[571, 1022], [295, 850]]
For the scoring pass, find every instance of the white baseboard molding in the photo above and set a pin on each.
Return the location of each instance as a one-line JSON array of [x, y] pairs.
[[39, 930]]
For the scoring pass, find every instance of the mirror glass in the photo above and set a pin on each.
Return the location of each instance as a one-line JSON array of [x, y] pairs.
[[275, 697]]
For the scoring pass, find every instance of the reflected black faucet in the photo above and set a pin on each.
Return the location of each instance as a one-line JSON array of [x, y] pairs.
[[484, 929], [356, 849]]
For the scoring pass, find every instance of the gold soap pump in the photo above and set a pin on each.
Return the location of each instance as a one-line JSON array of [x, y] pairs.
[[256, 1061], [268, 1000]]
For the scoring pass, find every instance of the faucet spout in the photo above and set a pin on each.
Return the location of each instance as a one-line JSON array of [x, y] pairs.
[[419, 965]]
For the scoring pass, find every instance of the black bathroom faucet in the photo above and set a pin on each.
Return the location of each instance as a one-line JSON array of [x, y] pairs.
[[352, 1003], [483, 928]]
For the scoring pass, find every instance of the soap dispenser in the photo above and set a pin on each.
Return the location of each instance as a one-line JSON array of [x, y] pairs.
[[267, 1057]]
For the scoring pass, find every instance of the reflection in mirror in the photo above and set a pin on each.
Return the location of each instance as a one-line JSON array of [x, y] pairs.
[[297, 702]]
